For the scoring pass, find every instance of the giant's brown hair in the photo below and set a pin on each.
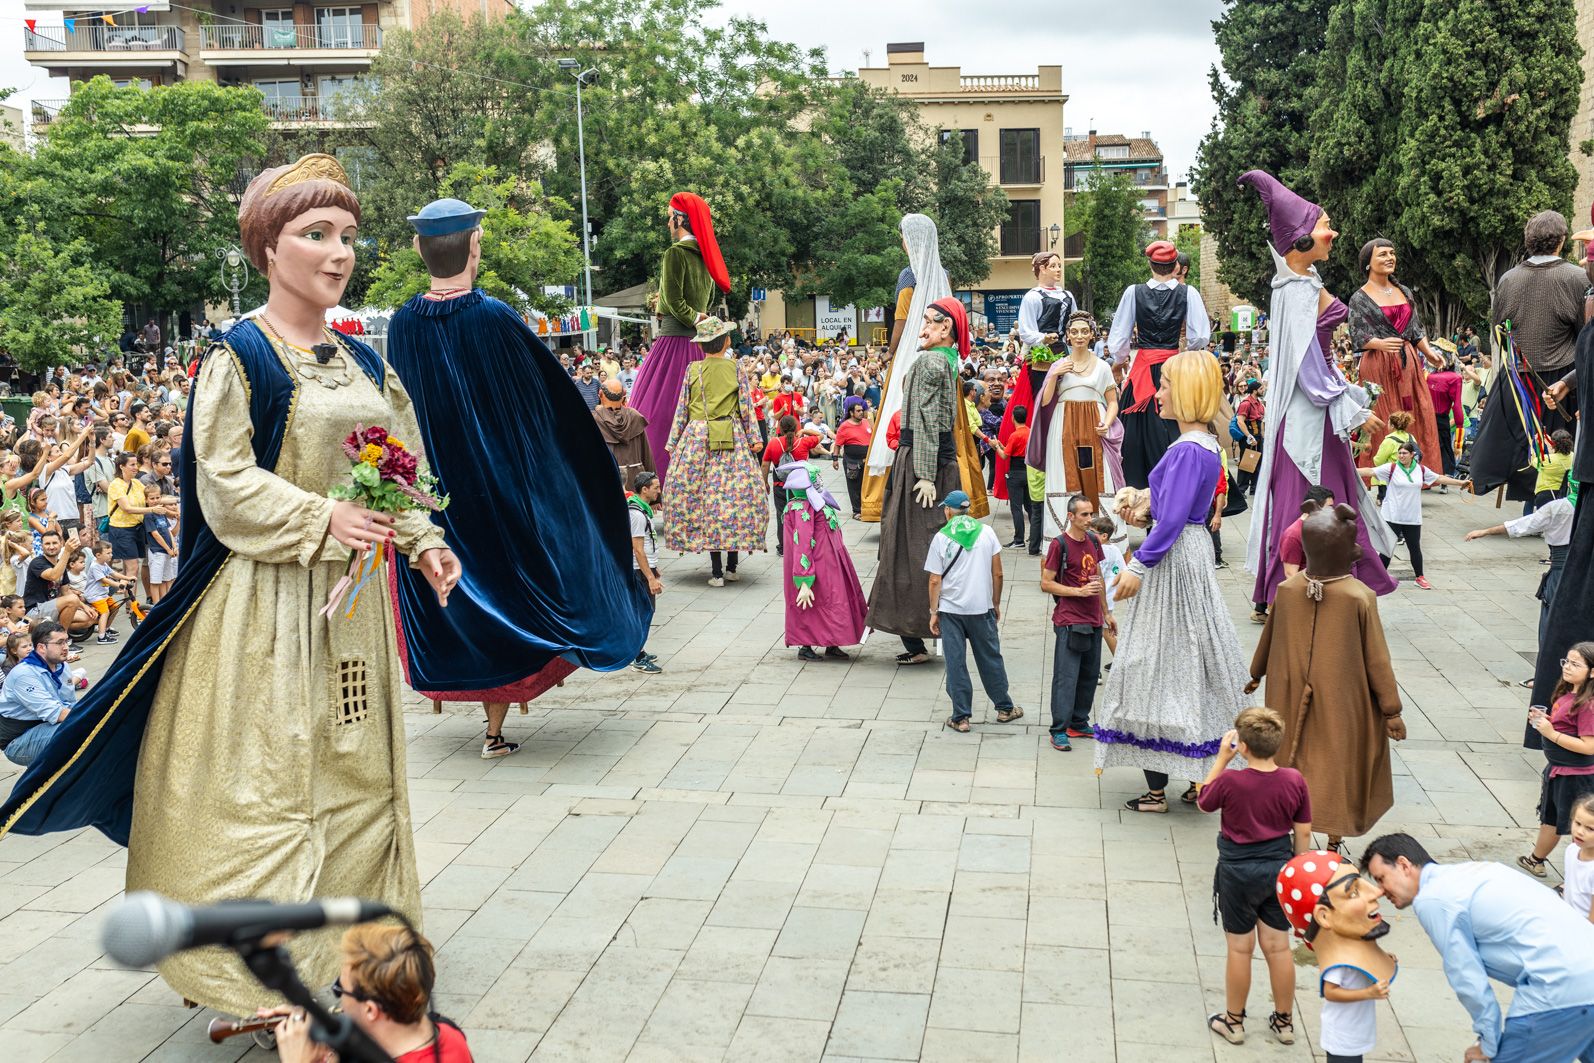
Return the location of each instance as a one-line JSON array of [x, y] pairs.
[[275, 197]]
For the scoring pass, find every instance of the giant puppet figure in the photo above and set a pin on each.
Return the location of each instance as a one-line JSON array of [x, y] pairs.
[[692, 277], [1312, 408], [925, 470], [244, 744], [925, 282], [537, 516], [1329, 676], [1150, 320]]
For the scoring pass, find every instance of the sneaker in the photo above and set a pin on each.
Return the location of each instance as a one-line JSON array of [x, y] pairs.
[[642, 664], [1258, 616], [105, 640], [716, 581], [1220, 563], [1060, 743], [1423, 583], [731, 576], [646, 656], [1081, 732], [495, 747]]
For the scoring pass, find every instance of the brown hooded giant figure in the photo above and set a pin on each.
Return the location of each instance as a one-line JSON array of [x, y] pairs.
[[625, 432], [1329, 675]]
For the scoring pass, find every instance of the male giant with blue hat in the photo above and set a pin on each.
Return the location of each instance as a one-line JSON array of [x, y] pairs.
[[536, 501]]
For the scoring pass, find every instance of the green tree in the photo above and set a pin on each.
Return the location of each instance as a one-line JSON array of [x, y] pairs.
[[55, 306], [149, 179], [1270, 53], [1115, 233], [1188, 240], [525, 245]]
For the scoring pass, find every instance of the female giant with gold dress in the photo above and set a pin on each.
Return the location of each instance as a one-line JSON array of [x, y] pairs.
[[268, 740]]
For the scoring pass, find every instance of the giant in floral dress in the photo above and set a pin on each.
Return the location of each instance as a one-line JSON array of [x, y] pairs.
[[716, 498]]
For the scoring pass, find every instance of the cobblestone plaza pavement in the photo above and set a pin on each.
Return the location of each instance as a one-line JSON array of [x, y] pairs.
[[748, 858]]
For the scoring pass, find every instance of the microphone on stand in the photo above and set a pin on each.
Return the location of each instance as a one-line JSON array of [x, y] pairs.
[[147, 927]]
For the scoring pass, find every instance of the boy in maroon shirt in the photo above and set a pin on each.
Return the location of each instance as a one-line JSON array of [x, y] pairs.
[[1267, 819], [1071, 573]]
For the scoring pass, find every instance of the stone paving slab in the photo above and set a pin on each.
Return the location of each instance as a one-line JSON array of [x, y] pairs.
[[750, 858]]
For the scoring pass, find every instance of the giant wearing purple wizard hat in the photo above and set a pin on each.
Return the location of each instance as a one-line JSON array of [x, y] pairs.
[[1312, 408]]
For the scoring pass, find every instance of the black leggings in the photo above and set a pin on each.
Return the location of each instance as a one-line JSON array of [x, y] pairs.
[[1412, 533], [715, 560], [1332, 1058], [1155, 780]]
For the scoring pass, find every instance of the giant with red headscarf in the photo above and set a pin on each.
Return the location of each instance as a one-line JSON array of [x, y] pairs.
[[691, 278], [924, 469]]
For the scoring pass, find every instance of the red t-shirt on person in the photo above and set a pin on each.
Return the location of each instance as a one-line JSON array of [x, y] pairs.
[[854, 433], [1079, 567], [1291, 550], [1017, 442], [1257, 806], [787, 402], [775, 453], [451, 1044]]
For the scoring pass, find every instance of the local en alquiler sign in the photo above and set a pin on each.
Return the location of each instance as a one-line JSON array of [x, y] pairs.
[[831, 321]]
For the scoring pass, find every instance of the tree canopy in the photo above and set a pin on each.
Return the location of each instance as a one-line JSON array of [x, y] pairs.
[[1107, 215]]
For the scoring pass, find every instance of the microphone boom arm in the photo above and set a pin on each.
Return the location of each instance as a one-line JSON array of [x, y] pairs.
[[273, 967]]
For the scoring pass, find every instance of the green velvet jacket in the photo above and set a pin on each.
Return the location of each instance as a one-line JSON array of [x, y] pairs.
[[685, 289]]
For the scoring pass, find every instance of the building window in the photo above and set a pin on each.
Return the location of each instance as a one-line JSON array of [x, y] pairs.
[[332, 88], [280, 96], [1113, 151], [339, 27], [277, 28], [971, 142], [1021, 157], [1022, 233]]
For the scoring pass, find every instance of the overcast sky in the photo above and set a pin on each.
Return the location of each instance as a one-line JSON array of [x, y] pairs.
[[1127, 67]]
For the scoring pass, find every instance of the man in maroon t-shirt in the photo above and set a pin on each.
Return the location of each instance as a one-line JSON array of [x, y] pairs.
[[1071, 573], [1291, 552]]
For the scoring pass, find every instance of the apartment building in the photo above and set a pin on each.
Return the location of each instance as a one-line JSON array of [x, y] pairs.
[[1012, 125], [300, 55], [1139, 157]]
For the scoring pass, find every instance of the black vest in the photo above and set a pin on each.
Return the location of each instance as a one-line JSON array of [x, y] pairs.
[[1055, 312], [1159, 315]]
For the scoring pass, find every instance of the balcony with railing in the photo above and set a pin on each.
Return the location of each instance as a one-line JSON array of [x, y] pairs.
[[237, 43], [325, 111], [46, 111], [105, 46], [1000, 83]]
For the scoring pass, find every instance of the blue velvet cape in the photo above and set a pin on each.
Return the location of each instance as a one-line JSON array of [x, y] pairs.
[[536, 513], [84, 778]]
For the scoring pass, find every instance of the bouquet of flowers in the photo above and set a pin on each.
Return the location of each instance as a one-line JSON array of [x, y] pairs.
[[384, 476]]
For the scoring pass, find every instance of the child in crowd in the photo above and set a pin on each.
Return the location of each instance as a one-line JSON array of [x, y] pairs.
[[1567, 735], [16, 550], [1267, 819], [13, 616], [1578, 871], [1072, 575], [1113, 562], [18, 646], [1402, 506], [101, 578], [39, 519], [161, 533], [1552, 469]]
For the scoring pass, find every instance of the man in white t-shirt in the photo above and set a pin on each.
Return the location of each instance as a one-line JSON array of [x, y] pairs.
[[965, 567]]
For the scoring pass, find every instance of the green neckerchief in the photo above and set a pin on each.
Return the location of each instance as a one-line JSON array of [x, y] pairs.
[[636, 500], [951, 355], [963, 530], [1406, 468]]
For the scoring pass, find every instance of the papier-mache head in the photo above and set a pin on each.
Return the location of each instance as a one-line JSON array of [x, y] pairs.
[[1289, 216]]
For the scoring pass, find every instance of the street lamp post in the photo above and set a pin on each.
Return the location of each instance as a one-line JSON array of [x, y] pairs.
[[582, 77], [234, 275]]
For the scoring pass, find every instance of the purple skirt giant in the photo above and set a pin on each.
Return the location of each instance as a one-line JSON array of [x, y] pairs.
[[657, 390], [1287, 490]]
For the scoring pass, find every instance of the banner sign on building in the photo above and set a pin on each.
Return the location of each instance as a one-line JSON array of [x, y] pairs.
[[831, 321], [1001, 309]]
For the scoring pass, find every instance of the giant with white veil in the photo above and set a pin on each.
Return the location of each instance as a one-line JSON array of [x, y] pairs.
[[922, 242]]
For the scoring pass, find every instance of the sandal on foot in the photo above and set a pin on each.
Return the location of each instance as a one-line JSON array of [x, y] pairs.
[[1009, 715], [1189, 796], [495, 746], [960, 726], [1532, 865], [1150, 801], [1282, 1024], [912, 658], [1228, 1026]]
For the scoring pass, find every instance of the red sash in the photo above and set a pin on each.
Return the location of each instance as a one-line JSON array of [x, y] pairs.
[[1140, 376]]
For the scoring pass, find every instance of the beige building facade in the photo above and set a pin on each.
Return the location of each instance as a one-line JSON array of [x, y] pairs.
[[300, 55], [1012, 125]]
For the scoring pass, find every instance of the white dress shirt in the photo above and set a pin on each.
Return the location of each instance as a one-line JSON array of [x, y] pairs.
[[1197, 326]]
